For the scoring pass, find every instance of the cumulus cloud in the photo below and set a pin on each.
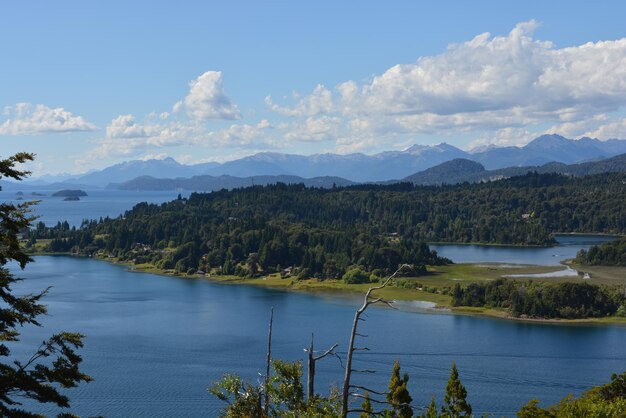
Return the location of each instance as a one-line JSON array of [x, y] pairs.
[[159, 156], [613, 130], [207, 100], [505, 137], [319, 101], [488, 83], [29, 119], [238, 135], [314, 129], [126, 137]]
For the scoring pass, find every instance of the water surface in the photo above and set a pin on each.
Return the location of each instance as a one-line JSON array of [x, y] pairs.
[[154, 343], [568, 246]]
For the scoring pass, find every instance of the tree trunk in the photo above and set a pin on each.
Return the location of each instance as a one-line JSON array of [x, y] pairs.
[[267, 367]]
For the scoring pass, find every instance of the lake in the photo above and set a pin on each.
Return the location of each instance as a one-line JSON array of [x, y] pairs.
[[153, 343], [568, 246], [98, 203]]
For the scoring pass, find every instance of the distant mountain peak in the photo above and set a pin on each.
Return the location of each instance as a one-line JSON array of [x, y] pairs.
[[416, 149], [548, 141]]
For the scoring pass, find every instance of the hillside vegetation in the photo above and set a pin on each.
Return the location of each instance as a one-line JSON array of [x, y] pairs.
[[322, 232]]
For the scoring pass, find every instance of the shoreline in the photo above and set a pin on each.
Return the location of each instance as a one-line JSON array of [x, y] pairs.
[[554, 234], [336, 289]]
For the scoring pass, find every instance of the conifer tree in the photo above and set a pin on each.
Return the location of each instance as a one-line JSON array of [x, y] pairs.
[[431, 412], [456, 405], [398, 396], [366, 406]]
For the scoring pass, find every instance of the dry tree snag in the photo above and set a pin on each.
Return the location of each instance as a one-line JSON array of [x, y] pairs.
[[311, 366], [267, 366], [367, 301]]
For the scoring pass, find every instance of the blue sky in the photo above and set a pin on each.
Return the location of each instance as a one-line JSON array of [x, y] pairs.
[[88, 84]]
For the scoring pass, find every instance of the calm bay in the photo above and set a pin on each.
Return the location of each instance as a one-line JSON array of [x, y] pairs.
[[154, 343]]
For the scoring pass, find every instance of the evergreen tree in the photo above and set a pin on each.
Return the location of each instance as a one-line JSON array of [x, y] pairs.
[[55, 362], [456, 405], [366, 406], [398, 396], [431, 412]]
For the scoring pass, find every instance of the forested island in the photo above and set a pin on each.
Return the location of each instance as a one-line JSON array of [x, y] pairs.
[[69, 193]]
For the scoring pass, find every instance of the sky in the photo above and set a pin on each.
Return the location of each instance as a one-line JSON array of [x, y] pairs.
[[85, 85]]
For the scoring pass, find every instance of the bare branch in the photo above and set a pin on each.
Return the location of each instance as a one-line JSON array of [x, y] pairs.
[[368, 390], [381, 413], [311, 365], [330, 351], [363, 371], [358, 395]]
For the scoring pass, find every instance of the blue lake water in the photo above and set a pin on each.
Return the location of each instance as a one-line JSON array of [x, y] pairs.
[[98, 203], [153, 344], [567, 248]]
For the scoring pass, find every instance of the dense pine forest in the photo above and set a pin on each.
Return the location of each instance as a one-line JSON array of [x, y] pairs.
[[608, 254], [320, 233], [542, 300]]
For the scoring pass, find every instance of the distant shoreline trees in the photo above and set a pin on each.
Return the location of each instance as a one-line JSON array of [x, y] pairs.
[[611, 253], [542, 300]]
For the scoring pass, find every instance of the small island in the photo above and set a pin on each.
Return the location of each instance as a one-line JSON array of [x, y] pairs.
[[71, 199], [70, 195]]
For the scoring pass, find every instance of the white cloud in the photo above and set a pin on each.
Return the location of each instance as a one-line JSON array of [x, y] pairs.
[[207, 100], [238, 135], [29, 119], [318, 102], [124, 137], [160, 156], [314, 129], [613, 130], [486, 85], [124, 126], [505, 137]]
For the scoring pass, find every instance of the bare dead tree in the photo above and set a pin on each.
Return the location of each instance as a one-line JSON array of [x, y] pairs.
[[311, 366], [267, 366], [367, 301]]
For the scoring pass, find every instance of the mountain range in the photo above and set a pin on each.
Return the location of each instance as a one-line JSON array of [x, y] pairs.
[[454, 171], [462, 170], [356, 167]]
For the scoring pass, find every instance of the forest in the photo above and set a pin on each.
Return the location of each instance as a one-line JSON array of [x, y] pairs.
[[314, 232], [611, 253], [543, 300]]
